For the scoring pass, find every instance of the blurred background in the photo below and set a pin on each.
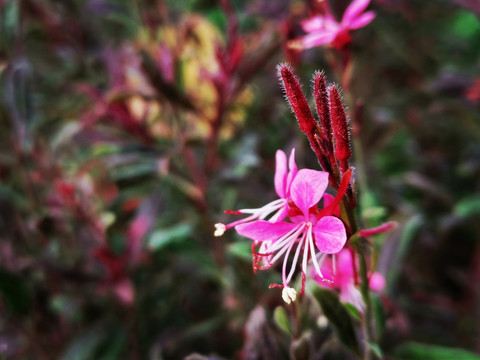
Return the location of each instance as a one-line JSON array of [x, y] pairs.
[[127, 127]]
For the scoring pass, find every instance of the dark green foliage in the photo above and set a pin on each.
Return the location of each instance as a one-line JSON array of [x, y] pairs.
[[107, 211]]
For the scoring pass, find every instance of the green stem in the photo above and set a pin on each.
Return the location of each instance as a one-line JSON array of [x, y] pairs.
[[355, 241], [364, 289]]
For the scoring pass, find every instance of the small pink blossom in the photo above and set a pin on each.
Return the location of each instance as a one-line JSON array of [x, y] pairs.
[[339, 272], [324, 29], [284, 175], [310, 231]]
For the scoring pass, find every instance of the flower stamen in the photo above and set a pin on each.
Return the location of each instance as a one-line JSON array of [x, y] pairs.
[[289, 294]]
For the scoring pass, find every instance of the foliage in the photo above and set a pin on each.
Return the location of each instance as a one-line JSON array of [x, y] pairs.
[[126, 127]]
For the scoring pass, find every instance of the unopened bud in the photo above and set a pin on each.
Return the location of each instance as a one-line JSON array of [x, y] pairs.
[[323, 109], [297, 100], [340, 126]]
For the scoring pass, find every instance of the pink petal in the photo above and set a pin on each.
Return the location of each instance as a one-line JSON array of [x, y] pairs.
[[377, 282], [330, 235], [344, 263], [350, 294], [293, 171], [308, 188], [353, 10], [362, 20], [280, 214], [280, 174], [327, 199], [327, 280], [317, 39], [262, 230], [124, 291], [313, 24]]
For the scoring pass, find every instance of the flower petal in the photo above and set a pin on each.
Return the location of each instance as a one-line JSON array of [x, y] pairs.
[[317, 38], [328, 279], [344, 264], [280, 173], [377, 282], [313, 24], [350, 294], [262, 230], [330, 235], [353, 10], [327, 199], [362, 20], [292, 173], [308, 188]]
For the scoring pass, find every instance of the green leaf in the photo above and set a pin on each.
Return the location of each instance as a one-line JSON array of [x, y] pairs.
[[409, 234], [241, 250], [217, 18], [115, 345], [85, 346], [466, 25], [417, 351], [468, 207], [338, 316], [280, 317], [353, 311], [13, 196], [15, 293], [161, 238], [379, 315], [375, 348], [185, 187], [371, 210]]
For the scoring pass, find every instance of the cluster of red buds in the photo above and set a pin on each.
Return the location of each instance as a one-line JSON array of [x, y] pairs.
[[329, 135]]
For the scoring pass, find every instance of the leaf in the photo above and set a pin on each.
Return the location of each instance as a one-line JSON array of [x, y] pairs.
[[280, 317], [375, 348], [338, 316], [186, 187], [15, 293], [241, 250], [466, 25], [115, 346], [409, 233], [353, 311], [371, 210], [85, 345], [7, 193], [217, 18], [417, 351], [161, 238], [468, 207], [379, 315]]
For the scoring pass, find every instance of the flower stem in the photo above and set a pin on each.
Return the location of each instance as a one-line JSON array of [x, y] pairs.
[[364, 289], [355, 242]]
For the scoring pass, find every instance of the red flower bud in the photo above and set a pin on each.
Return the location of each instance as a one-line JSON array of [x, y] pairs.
[[323, 111], [297, 100], [340, 128], [321, 102]]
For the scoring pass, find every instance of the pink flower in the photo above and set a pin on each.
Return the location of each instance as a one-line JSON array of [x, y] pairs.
[[309, 231], [283, 180], [324, 29], [340, 274]]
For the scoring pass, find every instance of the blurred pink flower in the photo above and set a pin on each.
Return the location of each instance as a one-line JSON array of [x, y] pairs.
[[309, 229], [283, 180], [324, 29], [340, 274]]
